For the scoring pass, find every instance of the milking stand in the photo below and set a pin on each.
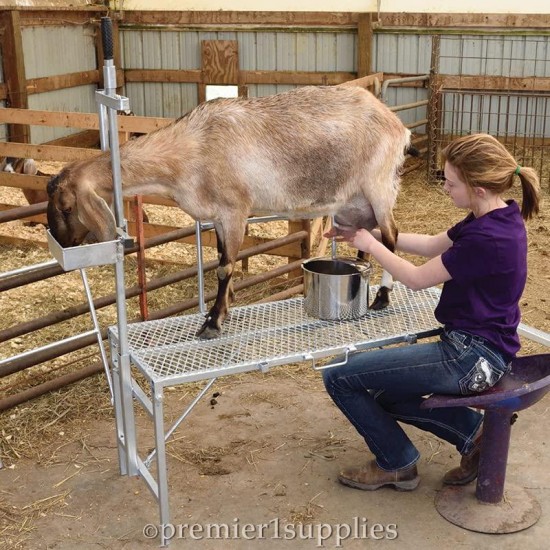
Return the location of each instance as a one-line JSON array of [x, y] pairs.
[[255, 337]]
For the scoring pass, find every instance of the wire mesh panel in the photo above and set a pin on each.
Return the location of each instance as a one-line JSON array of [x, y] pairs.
[[264, 335], [496, 85]]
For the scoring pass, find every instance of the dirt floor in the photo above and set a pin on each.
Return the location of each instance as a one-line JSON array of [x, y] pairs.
[[266, 452]]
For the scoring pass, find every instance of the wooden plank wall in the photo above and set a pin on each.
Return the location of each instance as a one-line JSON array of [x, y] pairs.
[[11, 22], [220, 59]]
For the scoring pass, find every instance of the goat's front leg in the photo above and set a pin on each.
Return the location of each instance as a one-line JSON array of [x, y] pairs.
[[221, 247], [230, 235]]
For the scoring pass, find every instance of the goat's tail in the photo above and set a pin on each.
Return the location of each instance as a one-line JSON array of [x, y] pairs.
[[413, 151], [410, 149]]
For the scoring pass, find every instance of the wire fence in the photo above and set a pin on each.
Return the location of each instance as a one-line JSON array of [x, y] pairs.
[[498, 85]]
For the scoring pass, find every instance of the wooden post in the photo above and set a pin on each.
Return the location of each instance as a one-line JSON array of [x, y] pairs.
[[14, 73], [364, 44]]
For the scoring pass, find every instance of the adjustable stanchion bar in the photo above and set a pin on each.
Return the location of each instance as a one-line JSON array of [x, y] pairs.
[[109, 102]]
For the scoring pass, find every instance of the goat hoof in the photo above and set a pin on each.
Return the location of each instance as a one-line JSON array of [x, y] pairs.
[[381, 300], [208, 332]]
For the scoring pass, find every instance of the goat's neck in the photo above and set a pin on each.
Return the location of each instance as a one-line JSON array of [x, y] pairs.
[[144, 170]]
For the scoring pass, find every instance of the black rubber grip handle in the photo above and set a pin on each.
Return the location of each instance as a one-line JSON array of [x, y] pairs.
[[107, 37]]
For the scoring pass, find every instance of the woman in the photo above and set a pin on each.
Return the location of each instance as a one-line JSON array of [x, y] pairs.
[[482, 263]]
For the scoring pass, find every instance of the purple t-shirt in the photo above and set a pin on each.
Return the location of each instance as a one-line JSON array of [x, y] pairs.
[[488, 265]]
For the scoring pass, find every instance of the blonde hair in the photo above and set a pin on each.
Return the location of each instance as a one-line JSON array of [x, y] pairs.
[[484, 162]]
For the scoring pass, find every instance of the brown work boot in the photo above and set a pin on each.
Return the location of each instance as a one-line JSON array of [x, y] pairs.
[[469, 464], [371, 477]]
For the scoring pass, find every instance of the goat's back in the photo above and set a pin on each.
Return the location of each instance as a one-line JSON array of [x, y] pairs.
[[304, 151]]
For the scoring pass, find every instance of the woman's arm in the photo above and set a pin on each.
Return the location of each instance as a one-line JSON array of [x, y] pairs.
[[428, 246], [431, 273]]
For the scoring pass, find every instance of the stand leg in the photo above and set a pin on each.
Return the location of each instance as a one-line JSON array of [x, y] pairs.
[[117, 402], [162, 479]]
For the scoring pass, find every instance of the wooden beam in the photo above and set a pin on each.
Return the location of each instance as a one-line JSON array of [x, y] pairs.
[[56, 16], [494, 83], [191, 76], [87, 121], [58, 82], [46, 152], [364, 45], [194, 76], [296, 77], [14, 72], [63, 119], [262, 19], [256, 18], [366, 81], [88, 139], [20, 181], [3, 91], [505, 21]]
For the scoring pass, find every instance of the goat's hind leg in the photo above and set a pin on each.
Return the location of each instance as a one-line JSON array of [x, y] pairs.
[[230, 236], [389, 240]]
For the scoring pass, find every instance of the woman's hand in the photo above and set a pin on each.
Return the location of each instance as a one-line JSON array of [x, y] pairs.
[[358, 238]]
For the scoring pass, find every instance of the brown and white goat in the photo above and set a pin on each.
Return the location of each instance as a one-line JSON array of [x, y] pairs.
[[308, 152], [24, 166]]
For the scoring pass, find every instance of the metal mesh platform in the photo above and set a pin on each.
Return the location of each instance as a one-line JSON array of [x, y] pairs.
[[264, 335]]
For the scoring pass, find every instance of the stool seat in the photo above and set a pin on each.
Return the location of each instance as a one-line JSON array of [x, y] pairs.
[[526, 383]]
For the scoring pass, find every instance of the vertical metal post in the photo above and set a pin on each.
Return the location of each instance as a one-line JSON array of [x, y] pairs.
[[333, 243], [117, 398], [495, 443], [111, 102], [103, 130], [162, 481]]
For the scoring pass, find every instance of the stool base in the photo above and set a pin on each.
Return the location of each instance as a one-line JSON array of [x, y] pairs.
[[517, 511]]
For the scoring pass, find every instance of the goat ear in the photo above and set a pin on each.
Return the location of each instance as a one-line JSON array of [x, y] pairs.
[[95, 214]]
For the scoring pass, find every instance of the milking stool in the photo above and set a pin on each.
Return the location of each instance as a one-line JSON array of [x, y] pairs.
[[489, 508]]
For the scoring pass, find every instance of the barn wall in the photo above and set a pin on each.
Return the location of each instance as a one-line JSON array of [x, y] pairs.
[[393, 53], [50, 50], [54, 50], [258, 50]]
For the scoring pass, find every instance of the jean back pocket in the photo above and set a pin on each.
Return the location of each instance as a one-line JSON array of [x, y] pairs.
[[482, 376]]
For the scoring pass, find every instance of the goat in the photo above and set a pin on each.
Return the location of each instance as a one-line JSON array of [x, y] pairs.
[[25, 166], [308, 152]]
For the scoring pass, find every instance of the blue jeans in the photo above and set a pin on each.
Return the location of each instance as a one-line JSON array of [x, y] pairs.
[[375, 389]]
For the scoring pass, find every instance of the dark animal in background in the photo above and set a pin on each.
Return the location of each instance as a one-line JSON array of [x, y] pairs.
[[312, 151]]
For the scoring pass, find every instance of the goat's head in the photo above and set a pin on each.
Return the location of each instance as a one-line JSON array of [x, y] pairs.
[[76, 210]]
